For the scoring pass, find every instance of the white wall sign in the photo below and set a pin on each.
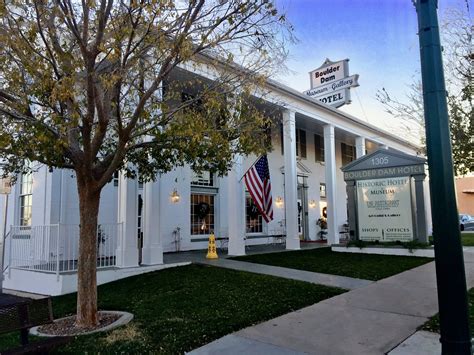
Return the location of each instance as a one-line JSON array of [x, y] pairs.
[[5, 186], [384, 209]]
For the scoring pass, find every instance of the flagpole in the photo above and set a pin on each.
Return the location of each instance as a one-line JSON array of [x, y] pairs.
[[251, 166]]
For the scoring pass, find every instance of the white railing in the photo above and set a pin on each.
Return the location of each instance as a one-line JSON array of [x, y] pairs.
[[55, 247]]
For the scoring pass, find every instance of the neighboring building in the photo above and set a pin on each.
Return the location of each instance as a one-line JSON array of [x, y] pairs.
[[138, 222], [465, 194]]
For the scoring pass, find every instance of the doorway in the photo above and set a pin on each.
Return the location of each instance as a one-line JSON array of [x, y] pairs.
[[302, 204]]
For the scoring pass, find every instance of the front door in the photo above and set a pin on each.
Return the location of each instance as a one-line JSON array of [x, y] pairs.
[[302, 203]]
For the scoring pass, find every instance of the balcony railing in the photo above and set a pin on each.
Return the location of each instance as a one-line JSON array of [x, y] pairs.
[[55, 248]]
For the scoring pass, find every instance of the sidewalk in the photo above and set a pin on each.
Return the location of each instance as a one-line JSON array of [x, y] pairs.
[[373, 319], [199, 257]]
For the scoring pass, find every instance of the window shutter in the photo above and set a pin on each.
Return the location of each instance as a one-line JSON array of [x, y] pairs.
[[281, 136], [302, 143]]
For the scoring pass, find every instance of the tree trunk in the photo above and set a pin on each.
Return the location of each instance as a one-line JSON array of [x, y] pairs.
[[89, 198]]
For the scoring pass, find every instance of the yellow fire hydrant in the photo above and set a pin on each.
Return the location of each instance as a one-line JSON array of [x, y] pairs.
[[211, 248]]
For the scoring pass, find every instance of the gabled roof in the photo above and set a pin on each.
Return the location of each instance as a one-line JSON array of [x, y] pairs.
[[383, 158]]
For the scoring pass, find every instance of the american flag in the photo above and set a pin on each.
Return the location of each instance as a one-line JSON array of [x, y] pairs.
[[257, 180]]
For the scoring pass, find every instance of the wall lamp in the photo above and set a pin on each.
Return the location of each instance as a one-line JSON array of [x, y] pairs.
[[312, 204], [279, 202], [175, 196]]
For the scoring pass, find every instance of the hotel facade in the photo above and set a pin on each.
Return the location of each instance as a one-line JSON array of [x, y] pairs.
[[138, 222]]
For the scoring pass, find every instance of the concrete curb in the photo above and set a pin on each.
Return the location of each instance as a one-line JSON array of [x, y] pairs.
[[125, 318], [428, 253]]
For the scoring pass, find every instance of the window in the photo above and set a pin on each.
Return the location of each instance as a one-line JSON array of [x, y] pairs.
[[347, 153], [322, 190], [26, 189], [319, 147], [301, 143], [203, 193], [253, 218], [206, 178], [202, 213], [116, 178]]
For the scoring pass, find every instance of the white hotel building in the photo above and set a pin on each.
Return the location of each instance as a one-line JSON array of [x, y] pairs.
[[140, 222]]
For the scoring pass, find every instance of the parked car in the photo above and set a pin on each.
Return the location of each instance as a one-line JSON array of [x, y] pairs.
[[466, 222]]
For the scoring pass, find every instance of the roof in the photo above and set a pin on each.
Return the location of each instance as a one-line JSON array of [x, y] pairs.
[[321, 105], [383, 158]]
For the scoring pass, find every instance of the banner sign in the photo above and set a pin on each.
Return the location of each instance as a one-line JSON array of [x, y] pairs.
[[330, 83], [385, 209]]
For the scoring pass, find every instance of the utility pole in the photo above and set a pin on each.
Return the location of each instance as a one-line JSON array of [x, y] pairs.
[[450, 274]]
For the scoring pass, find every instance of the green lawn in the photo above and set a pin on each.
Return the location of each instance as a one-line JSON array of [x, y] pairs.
[[362, 266], [179, 309], [433, 324], [467, 239]]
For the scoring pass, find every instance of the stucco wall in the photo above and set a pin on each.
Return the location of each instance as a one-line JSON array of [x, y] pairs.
[[465, 194]]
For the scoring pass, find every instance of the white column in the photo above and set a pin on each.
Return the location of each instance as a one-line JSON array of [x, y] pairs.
[[290, 202], [236, 208], [152, 247], [330, 163], [127, 250], [360, 147]]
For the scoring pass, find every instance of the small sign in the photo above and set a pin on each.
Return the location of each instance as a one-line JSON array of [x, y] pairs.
[[5, 186]]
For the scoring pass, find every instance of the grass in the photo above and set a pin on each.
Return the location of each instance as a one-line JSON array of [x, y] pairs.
[[179, 309], [467, 239], [432, 325], [323, 260]]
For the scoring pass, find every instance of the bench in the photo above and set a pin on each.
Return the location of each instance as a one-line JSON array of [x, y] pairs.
[[21, 314]]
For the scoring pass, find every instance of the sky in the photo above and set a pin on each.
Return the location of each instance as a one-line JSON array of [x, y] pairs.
[[379, 37]]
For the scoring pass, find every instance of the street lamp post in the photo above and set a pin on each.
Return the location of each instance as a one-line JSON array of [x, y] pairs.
[[450, 274], [5, 188]]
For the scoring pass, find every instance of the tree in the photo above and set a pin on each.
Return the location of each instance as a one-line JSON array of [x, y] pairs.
[[90, 83], [458, 56]]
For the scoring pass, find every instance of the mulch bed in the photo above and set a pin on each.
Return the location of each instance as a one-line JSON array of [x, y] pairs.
[[67, 326]]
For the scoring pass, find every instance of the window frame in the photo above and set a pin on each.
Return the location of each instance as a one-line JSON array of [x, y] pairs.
[[25, 196], [209, 189], [260, 221]]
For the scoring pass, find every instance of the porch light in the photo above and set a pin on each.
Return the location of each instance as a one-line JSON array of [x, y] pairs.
[[312, 204], [175, 196], [279, 202]]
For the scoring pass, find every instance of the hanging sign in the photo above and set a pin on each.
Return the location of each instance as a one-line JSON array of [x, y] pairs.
[[384, 209], [330, 83]]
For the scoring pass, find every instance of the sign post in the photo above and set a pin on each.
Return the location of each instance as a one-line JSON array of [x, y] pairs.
[[450, 273]]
